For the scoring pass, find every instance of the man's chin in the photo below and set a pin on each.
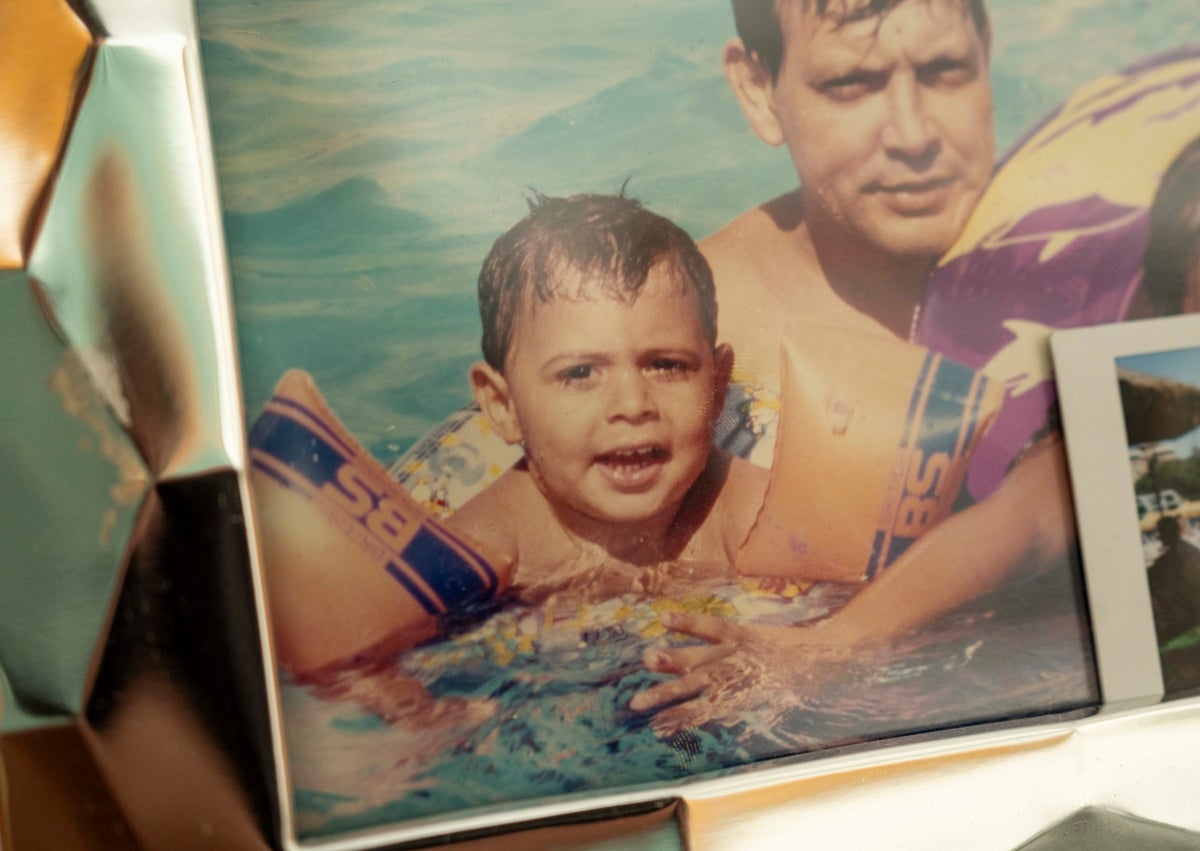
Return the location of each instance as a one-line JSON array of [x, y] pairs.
[[915, 236], [916, 241]]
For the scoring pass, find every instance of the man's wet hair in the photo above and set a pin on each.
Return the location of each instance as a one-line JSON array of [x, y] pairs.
[[1173, 249], [759, 28], [610, 242]]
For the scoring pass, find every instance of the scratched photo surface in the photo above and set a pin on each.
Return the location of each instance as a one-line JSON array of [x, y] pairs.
[[369, 153]]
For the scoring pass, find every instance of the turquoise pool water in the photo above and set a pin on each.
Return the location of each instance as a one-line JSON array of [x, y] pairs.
[[369, 153], [534, 703]]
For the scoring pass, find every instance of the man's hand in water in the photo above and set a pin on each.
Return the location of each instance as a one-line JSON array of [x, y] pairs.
[[1021, 529], [745, 668]]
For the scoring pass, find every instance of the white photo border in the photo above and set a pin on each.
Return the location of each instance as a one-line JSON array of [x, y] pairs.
[[1093, 420]]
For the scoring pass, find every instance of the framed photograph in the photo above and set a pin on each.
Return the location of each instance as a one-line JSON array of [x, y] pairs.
[[368, 162], [512, 418], [1128, 409]]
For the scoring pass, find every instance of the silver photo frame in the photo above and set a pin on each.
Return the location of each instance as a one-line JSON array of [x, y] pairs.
[[207, 208]]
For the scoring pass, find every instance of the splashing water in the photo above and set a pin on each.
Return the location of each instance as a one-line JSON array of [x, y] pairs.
[[534, 701]]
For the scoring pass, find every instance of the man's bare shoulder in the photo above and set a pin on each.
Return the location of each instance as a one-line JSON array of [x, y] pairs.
[[751, 239], [756, 260]]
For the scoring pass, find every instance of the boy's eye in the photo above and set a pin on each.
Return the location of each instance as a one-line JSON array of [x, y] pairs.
[[579, 372], [670, 367]]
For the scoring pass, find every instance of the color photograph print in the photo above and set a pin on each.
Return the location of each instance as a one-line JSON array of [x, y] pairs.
[[1128, 398], [369, 155], [1160, 398]]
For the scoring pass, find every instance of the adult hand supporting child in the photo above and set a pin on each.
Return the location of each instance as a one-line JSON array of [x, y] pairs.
[[931, 579], [747, 668]]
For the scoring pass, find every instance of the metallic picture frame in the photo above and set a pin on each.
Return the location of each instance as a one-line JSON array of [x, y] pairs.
[[140, 701]]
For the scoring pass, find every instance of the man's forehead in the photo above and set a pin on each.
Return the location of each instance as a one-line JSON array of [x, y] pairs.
[[855, 25], [841, 13]]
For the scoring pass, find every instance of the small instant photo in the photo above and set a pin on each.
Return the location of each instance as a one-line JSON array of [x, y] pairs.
[[1130, 399]]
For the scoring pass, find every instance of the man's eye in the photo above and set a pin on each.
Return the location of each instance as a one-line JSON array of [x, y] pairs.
[[853, 86], [947, 72]]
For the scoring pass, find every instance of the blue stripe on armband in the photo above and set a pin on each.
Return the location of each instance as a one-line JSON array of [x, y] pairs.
[[297, 446], [915, 401], [450, 575], [976, 404], [937, 433], [945, 409], [412, 588], [469, 553]]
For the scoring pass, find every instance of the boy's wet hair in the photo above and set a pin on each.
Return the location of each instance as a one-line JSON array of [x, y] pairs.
[[1173, 249], [758, 26], [610, 241]]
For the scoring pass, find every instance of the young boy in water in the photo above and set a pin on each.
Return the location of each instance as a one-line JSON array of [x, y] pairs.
[[600, 359]]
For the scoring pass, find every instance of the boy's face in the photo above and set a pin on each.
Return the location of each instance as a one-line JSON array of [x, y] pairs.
[[615, 402], [888, 121]]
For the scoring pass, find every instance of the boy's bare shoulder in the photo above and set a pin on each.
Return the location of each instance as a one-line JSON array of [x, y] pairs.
[[733, 509], [495, 516], [742, 497], [746, 479]]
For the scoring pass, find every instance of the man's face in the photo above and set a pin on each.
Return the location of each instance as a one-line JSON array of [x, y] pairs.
[[615, 401], [888, 120]]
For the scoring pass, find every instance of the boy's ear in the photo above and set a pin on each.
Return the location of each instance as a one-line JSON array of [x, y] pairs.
[[722, 371], [490, 389], [754, 89]]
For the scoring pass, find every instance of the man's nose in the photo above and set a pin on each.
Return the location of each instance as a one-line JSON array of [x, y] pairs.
[[631, 397], [910, 134]]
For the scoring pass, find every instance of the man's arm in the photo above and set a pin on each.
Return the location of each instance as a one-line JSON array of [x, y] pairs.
[[1022, 528], [1026, 525]]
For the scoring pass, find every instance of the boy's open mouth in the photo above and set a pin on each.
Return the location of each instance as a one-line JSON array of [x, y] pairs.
[[635, 466]]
